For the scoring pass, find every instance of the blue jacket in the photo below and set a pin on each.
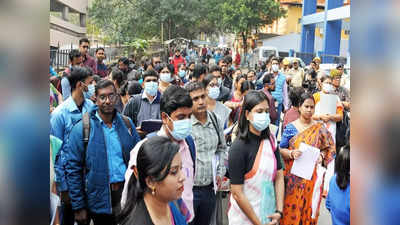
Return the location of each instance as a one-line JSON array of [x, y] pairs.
[[93, 190], [279, 84]]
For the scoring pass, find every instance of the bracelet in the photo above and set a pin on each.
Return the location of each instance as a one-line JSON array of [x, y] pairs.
[[277, 211]]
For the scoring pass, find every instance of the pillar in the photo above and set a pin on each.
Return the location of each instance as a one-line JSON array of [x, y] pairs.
[[332, 34], [308, 31], [65, 13]]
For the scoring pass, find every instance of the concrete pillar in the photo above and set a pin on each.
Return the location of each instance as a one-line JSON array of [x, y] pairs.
[[308, 31], [82, 19], [65, 13], [332, 34]]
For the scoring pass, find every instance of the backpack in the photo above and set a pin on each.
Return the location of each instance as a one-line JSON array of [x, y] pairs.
[[342, 131]]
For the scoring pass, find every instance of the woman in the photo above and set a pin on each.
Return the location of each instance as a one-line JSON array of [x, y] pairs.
[[245, 86], [210, 82], [236, 93], [157, 182], [167, 76], [293, 113], [300, 197], [338, 200], [254, 184], [182, 74]]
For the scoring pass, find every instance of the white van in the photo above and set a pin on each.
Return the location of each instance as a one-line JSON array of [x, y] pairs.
[[261, 54]]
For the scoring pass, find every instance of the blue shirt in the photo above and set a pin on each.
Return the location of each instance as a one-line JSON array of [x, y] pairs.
[[116, 165], [62, 120], [338, 203], [66, 88]]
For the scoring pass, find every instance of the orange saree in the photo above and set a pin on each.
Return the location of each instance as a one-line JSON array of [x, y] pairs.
[[297, 207]]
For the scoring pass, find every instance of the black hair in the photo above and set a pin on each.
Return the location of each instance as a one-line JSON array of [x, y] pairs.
[[103, 84], [251, 99], [174, 97], [275, 58], [154, 160], [190, 63], [124, 88], [228, 59], [82, 40], [247, 85], [240, 77], [214, 68], [340, 66], [194, 86], [78, 73], [150, 73], [263, 66], [100, 48], [117, 75], [267, 78], [304, 96], [325, 77], [180, 64], [198, 70], [134, 88], [124, 60], [170, 67], [295, 95], [207, 79], [342, 167], [74, 53], [96, 78]]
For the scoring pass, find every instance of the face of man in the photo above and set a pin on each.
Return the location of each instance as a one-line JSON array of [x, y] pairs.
[[251, 76], [76, 61], [271, 85], [177, 54], [199, 101], [191, 67], [106, 99], [224, 67], [156, 61], [341, 70], [336, 81], [84, 85], [217, 74], [84, 47], [122, 66], [149, 79], [100, 55], [295, 65], [179, 114]]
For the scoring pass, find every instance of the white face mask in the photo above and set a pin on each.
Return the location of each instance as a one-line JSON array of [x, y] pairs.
[[166, 77], [327, 88], [275, 67]]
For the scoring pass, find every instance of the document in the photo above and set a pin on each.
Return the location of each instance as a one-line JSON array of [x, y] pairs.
[[304, 166], [328, 104]]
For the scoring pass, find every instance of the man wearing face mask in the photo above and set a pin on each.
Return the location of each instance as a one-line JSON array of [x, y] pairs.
[[210, 142], [146, 105], [269, 85], [61, 121], [167, 77], [177, 60], [224, 92], [75, 59], [281, 90], [175, 109]]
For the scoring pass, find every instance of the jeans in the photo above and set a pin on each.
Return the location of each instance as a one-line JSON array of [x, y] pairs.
[[203, 203]]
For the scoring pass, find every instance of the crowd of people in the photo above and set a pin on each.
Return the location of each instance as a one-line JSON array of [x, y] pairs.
[[163, 142]]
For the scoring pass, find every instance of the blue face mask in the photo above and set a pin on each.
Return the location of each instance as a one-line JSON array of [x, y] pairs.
[[182, 73], [182, 129], [213, 92], [151, 88], [166, 77], [260, 121], [90, 92]]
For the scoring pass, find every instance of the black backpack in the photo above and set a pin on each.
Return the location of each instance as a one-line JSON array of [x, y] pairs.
[[342, 132]]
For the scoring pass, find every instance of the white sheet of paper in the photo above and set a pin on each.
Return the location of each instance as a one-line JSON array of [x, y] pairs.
[[304, 166], [328, 104]]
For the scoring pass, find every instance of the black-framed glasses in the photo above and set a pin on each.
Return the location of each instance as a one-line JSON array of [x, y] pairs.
[[111, 97]]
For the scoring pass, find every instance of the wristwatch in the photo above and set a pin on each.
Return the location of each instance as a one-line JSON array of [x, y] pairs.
[[277, 211]]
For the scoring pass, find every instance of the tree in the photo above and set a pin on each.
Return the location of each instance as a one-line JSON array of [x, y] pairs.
[[243, 16]]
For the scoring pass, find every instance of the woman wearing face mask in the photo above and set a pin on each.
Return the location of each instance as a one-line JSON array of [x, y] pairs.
[[212, 88], [157, 181], [303, 197], [167, 76], [182, 74], [257, 188]]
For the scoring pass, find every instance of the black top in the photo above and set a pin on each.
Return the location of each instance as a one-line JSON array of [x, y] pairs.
[[140, 216], [242, 156]]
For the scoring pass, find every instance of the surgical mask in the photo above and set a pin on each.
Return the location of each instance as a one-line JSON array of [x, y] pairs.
[[213, 92], [220, 81], [275, 68], [90, 91], [182, 129], [166, 77], [151, 88], [182, 73], [327, 87], [260, 121]]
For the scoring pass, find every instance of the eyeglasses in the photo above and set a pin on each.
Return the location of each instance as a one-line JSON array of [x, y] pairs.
[[111, 97], [85, 46]]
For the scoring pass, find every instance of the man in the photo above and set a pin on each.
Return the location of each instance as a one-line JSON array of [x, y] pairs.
[[88, 61], [61, 121], [269, 85], [210, 145], [297, 74], [132, 61], [155, 61], [226, 80], [281, 90], [177, 60], [175, 109], [123, 65], [340, 91], [96, 168], [75, 59], [145, 106], [101, 68], [117, 77], [224, 92], [198, 73]]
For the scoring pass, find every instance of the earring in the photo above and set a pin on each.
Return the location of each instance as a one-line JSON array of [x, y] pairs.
[[153, 192]]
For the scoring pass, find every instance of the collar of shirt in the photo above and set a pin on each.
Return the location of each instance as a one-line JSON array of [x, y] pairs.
[[101, 120], [144, 96], [71, 105], [196, 121]]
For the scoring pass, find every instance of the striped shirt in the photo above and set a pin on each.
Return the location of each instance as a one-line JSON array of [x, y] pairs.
[[206, 140]]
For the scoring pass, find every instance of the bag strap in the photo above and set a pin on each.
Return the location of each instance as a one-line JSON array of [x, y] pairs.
[[214, 121], [86, 129], [127, 123]]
